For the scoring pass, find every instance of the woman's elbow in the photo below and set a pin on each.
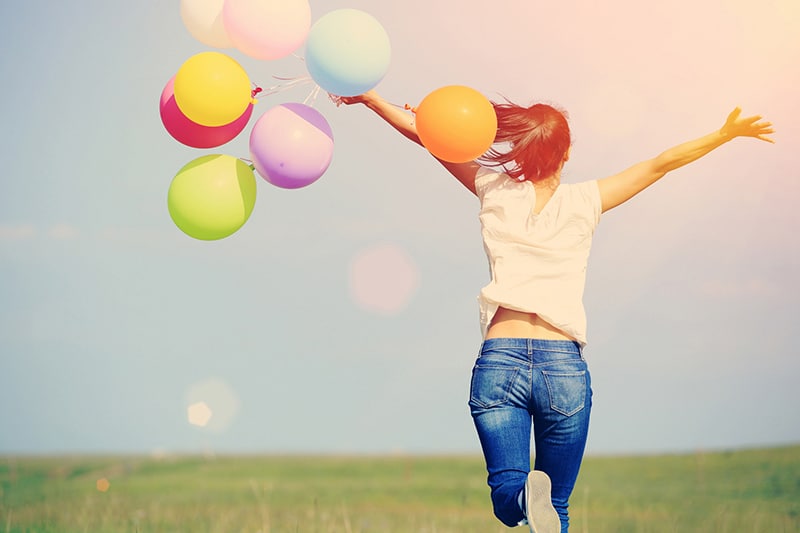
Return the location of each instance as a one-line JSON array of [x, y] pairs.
[[659, 166]]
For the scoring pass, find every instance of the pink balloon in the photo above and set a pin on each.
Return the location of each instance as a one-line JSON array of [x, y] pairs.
[[291, 145], [267, 29], [194, 134]]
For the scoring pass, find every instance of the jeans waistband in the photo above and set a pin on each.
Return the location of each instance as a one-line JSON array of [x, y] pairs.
[[532, 345]]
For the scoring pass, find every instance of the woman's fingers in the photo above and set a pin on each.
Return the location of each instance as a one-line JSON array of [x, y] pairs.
[[734, 114]]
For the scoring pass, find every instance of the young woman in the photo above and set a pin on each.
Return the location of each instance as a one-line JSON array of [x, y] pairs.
[[530, 375]]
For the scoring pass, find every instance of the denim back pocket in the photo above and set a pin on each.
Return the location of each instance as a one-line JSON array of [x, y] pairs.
[[491, 385], [567, 390]]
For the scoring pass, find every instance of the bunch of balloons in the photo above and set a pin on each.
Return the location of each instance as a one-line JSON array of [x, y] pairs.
[[209, 102]]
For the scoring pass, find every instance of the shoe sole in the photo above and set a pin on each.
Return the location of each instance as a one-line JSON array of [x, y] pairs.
[[542, 516]]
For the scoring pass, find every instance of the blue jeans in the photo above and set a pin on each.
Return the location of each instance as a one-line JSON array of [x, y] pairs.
[[519, 383]]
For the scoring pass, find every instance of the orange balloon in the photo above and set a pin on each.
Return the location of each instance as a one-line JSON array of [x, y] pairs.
[[456, 123]]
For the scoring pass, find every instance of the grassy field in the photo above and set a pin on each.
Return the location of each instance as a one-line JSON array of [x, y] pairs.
[[738, 491]]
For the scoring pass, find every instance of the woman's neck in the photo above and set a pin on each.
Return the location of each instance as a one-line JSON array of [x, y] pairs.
[[549, 183]]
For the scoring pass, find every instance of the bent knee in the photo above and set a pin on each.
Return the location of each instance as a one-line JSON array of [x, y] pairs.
[[507, 510]]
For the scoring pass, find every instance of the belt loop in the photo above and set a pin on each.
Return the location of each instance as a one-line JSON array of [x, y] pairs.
[[530, 346]]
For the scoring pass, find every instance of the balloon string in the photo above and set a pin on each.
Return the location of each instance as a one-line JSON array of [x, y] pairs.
[[311, 98], [286, 83], [295, 78]]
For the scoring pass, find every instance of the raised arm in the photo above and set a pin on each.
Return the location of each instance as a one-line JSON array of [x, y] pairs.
[[403, 122], [619, 188]]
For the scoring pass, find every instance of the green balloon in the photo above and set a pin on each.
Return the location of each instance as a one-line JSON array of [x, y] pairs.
[[212, 197]]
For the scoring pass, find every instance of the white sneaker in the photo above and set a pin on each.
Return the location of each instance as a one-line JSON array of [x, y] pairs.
[[542, 516]]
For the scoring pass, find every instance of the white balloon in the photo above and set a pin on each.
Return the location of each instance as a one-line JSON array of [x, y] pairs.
[[203, 19]]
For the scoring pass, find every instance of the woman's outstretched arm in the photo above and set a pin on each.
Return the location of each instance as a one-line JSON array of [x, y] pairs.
[[403, 122], [619, 188]]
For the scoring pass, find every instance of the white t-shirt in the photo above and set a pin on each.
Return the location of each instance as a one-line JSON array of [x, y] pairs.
[[537, 262]]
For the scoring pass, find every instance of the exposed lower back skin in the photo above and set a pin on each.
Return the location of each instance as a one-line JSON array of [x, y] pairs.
[[508, 323]]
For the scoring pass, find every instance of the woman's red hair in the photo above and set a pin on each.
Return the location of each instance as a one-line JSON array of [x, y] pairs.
[[538, 139]]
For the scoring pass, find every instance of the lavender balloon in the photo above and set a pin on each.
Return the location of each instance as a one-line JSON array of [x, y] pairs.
[[291, 145]]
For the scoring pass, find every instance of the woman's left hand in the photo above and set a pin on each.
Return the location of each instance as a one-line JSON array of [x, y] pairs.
[[366, 98]]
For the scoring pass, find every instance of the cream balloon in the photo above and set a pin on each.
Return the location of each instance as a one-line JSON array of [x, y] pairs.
[[203, 19]]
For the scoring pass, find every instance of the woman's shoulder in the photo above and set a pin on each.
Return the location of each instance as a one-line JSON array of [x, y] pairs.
[[488, 178], [588, 189], [487, 174], [583, 196]]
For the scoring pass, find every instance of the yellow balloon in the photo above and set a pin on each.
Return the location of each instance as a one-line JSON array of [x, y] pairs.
[[212, 89], [456, 123]]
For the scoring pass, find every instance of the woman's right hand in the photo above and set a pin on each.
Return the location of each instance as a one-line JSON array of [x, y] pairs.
[[737, 126]]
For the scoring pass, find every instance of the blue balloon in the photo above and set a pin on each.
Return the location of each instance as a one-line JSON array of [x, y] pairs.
[[347, 52]]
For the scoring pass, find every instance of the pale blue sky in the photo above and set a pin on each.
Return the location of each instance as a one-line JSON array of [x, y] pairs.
[[112, 320]]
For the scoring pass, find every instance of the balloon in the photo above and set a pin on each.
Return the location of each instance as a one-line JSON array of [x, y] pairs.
[[347, 52], [456, 124], [267, 29], [203, 19], [191, 133], [212, 89], [291, 145], [212, 197]]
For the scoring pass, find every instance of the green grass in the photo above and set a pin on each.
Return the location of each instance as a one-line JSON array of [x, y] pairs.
[[738, 491]]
